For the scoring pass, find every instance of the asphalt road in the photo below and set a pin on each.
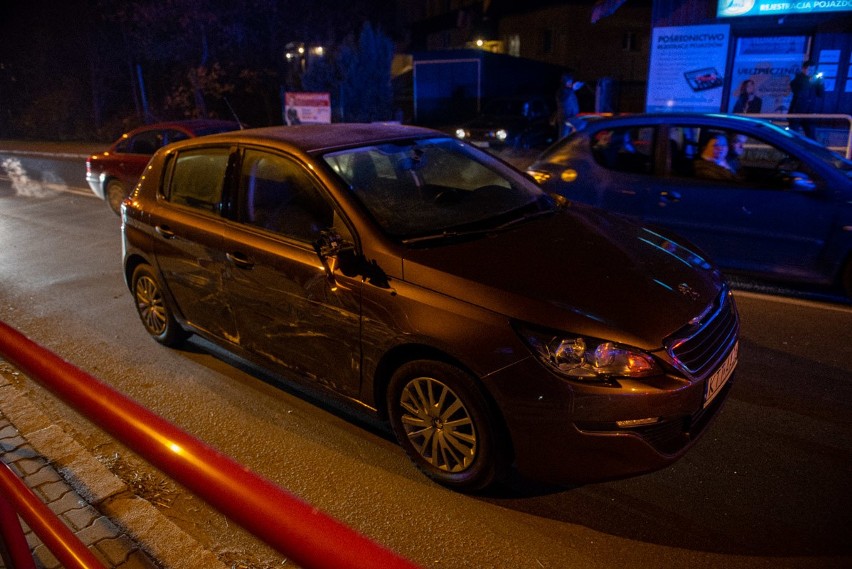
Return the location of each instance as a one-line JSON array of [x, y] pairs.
[[768, 485]]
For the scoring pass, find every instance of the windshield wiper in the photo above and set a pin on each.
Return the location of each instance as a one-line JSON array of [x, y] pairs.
[[443, 235], [455, 234], [522, 219]]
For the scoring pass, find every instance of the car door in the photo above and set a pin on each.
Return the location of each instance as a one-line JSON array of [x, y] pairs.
[[621, 172], [773, 217], [287, 308], [188, 239]]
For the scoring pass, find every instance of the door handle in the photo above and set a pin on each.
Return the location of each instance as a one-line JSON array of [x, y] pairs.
[[164, 231], [239, 260], [671, 197]]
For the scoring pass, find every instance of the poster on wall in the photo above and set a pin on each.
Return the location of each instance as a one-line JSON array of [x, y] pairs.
[[687, 71], [763, 68], [744, 8], [307, 108]]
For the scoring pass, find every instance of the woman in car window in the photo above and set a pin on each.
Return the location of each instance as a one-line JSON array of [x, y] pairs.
[[712, 164]]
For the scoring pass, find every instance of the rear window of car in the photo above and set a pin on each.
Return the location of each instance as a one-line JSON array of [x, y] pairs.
[[197, 178], [624, 149]]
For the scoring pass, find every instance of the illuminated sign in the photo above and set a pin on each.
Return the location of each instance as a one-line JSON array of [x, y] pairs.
[[688, 67], [307, 108], [737, 8]]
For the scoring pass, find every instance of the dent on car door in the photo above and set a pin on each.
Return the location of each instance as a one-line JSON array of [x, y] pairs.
[[287, 309], [188, 239], [756, 221]]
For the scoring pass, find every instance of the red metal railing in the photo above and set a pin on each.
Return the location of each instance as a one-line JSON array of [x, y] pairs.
[[308, 537]]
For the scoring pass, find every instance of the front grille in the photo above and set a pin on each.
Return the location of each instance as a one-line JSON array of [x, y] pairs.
[[699, 347]]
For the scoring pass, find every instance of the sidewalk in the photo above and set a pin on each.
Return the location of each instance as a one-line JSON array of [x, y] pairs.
[[121, 529]]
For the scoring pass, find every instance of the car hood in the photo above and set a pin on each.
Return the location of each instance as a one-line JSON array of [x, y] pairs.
[[579, 270]]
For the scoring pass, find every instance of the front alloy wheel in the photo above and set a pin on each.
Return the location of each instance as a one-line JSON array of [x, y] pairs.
[[443, 422], [153, 309]]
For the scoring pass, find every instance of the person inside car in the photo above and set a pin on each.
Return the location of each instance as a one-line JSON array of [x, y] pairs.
[[737, 149], [712, 163]]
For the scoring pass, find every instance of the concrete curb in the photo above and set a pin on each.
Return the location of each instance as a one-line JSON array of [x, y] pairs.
[[120, 528]]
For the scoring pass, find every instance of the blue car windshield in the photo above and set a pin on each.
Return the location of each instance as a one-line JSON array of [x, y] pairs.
[[424, 188], [824, 155]]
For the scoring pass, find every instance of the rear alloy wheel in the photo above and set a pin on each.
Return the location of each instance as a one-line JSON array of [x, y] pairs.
[[443, 422], [153, 309], [115, 194]]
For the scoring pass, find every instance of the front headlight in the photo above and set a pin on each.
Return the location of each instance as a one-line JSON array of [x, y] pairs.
[[461, 133], [539, 176], [589, 359], [501, 135]]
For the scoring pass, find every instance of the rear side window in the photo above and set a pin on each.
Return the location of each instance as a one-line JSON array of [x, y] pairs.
[[198, 177], [146, 142], [624, 149]]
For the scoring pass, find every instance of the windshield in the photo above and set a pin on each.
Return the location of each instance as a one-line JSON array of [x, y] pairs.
[[436, 186], [823, 154]]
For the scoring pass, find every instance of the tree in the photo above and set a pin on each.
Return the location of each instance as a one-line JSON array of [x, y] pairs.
[[357, 74]]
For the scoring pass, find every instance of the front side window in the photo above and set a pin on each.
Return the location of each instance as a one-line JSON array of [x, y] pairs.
[[174, 135], [279, 195], [731, 156], [197, 178]]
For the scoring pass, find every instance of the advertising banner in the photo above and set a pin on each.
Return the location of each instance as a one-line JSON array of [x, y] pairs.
[[738, 8], [687, 70], [763, 68], [307, 108]]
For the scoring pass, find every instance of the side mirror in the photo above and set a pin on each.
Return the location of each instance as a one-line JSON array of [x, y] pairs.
[[331, 245]]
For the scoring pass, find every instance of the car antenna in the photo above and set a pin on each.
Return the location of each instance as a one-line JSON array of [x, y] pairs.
[[230, 108]]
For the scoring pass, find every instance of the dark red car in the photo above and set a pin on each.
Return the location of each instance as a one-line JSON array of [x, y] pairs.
[[113, 173]]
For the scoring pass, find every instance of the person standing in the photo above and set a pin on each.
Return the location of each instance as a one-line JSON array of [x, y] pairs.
[[567, 105], [806, 89], [748, 101]]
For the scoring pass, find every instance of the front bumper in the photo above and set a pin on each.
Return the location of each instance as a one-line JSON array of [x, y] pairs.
[[96, 184], [568, 433]]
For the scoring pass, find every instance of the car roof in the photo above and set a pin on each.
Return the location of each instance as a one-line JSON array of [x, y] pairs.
[[324, 137], [731, 121]]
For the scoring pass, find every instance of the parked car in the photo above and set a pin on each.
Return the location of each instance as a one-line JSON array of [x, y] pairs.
[[113, 173], [428, 282], [786, 214], [513, 122]]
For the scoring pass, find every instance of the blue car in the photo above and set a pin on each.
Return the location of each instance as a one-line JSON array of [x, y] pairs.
[[772, 203]]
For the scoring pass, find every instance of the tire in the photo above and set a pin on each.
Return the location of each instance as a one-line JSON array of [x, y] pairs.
[[115, 194], [443, 421], [153, 310]]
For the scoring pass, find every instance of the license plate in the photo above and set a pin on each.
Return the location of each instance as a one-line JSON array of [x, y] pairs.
[[716, 381], [481, 144]]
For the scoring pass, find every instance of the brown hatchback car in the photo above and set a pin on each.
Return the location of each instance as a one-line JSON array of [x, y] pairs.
[[113, 173], [428, 282]]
